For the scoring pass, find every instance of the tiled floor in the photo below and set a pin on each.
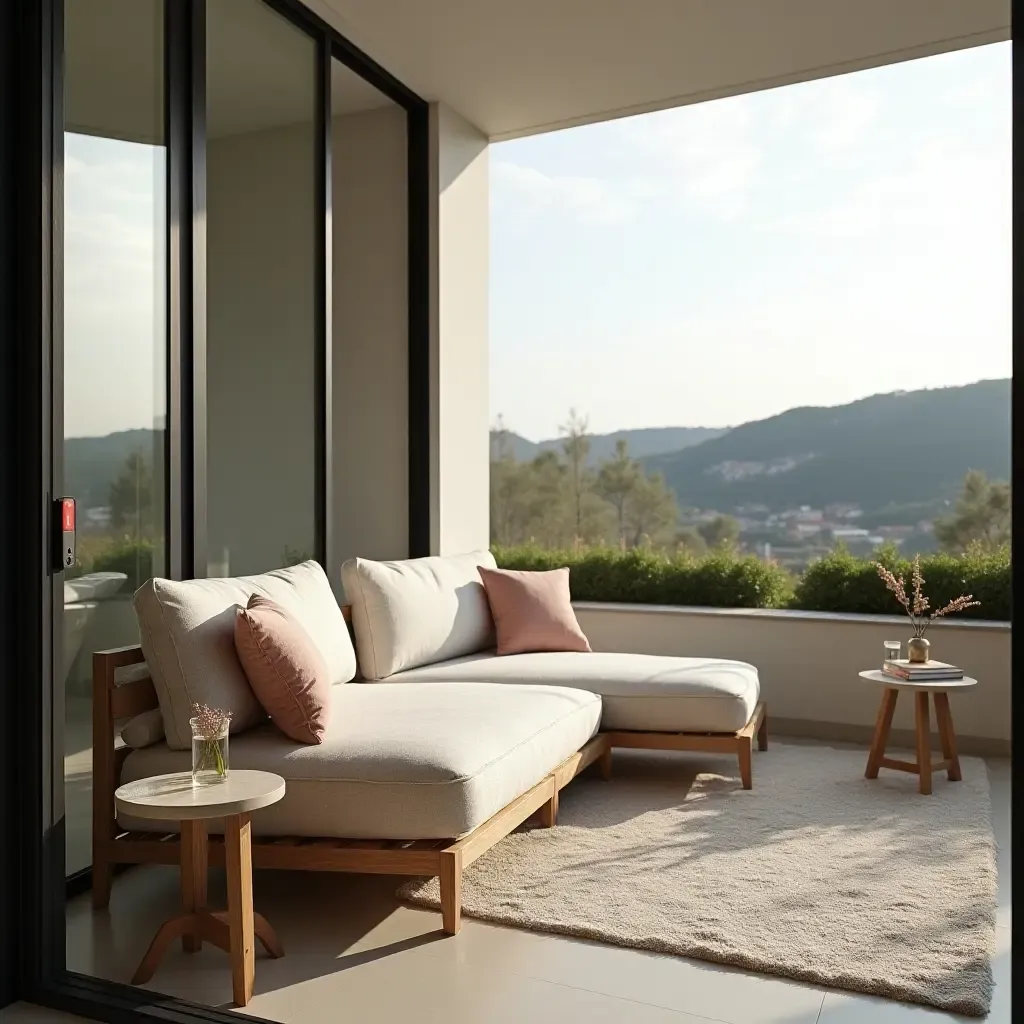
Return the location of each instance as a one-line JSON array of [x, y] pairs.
[[352, 947]]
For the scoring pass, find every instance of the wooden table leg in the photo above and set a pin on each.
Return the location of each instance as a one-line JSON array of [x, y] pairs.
[[924, 741], [882, 727], [947, 737], [183, 925], [193, 877], [238, 859]]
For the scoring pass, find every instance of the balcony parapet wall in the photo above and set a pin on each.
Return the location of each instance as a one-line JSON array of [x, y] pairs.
[[808, 664]]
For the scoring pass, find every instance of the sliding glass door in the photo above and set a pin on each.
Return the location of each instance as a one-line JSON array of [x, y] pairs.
[[262, 289], [173, 317], [115, 351]]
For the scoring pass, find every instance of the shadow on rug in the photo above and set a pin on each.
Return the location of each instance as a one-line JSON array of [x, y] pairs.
[[816, 874]]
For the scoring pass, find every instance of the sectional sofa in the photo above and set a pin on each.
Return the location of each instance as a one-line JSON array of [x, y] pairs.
[[437, 747]]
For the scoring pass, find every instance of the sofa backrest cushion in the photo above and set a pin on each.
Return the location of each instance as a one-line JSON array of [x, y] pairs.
[[533, 611], [418, 611], [188, 638]]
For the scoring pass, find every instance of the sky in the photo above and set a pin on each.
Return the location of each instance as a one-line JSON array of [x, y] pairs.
[[704, 266], [114, 306], [720, 263]]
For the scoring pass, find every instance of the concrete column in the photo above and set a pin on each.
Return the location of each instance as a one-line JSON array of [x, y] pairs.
[[460, 452], [370, 469]]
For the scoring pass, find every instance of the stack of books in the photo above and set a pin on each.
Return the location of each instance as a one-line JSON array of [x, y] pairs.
[[921, 672]]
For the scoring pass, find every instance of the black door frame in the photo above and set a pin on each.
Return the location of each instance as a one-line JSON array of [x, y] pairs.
[[8, 484], [32, 842]]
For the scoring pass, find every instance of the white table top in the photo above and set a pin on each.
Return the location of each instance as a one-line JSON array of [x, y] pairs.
[[174, 798], [938, 685]]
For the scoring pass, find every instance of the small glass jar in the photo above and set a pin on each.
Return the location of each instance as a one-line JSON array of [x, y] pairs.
[[209, 754], [892, 652]]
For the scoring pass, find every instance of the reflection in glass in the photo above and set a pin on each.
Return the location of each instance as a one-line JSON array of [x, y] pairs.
[[115, 350], [261, 289]]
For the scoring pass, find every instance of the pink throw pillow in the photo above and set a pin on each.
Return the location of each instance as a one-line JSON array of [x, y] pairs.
[[285, 669], [532, 611]]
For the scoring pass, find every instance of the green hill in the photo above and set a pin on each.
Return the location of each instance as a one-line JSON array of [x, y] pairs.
[[642, 442], [91, 464], [887, 451]]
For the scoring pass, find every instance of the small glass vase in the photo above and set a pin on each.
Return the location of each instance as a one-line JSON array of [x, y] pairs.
[[892, 652], [209, 755]]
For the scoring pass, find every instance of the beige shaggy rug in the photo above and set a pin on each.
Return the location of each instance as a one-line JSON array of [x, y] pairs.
[[816, 874]]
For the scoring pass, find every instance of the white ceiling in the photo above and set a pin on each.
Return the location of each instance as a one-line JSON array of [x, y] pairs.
[[259, 70], [514, 67]]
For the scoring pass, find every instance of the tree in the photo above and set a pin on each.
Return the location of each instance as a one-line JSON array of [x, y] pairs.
[[576, 448], [652, 512], [722, 531], [131, 494], [617, 481], [981, 516], [545, 508], [689, 540], [507, 483]]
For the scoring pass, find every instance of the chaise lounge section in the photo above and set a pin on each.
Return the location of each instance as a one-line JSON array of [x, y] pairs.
[[430, 761], [648, 701]]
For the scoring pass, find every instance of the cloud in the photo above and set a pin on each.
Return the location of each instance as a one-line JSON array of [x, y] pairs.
[[841, 113], [700, 159], [529, 193], [934, 190], [704, 156], [843, 156]]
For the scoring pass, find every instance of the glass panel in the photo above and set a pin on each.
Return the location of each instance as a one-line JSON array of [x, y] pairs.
[[370, 398], [115, 349], [261, 237]]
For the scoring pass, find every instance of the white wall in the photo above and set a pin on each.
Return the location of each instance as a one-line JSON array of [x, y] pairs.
[[459, 337], [808, 664], [260, 370], [370, 355]]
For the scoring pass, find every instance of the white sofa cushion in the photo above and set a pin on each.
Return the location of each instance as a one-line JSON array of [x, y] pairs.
[[639, 691], [417, 611], [423, 761], [187, 631]]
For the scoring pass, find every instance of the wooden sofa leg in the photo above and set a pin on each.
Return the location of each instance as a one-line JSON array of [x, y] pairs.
[[745, 750], [762, 732], [548, 813], [605, 763], [451, 891]]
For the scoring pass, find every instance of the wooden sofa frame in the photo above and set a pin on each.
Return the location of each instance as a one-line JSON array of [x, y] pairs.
[[114, 702], [740, 743]]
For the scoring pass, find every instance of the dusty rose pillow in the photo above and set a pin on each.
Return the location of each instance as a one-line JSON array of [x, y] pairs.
[[285, 669], [532, 611]]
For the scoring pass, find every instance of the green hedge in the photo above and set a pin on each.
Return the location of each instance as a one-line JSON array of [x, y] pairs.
[[839, 582], [719, 580], [133, 558]]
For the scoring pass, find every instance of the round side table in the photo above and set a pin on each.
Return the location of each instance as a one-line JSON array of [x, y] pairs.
[[174, 798], [923, 766]]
